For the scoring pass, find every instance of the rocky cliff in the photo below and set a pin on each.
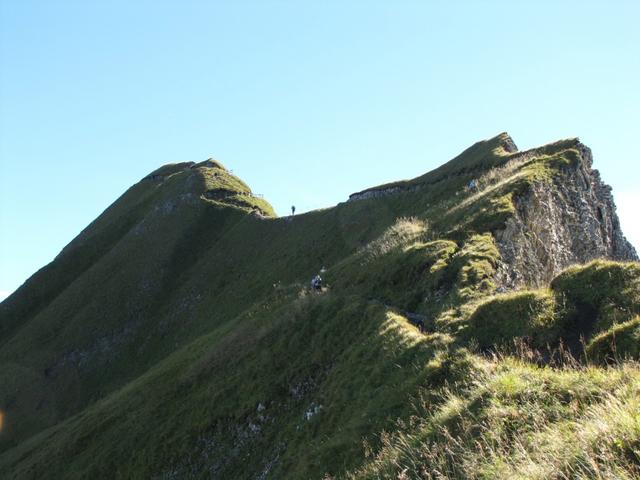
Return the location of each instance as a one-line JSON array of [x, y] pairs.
[[568, 220]]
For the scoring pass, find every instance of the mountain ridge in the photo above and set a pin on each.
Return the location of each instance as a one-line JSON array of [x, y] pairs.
[[189, 288]]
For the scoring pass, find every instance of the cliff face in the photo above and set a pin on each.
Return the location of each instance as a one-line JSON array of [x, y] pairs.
[[571, 219]]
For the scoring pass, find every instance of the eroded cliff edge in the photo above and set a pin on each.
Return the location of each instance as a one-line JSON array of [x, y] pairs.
[[569, 219]]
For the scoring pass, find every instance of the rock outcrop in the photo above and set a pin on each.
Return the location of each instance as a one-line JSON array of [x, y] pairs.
[[376, 193], [570, 219]]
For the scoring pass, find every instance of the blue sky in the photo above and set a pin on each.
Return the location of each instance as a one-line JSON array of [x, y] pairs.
[[307, 102]]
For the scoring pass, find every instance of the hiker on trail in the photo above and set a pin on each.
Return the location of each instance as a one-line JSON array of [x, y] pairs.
[[473, 185], [293, 210], [316, 283]]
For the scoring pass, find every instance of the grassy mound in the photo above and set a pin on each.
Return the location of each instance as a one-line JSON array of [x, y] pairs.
[[620, 342], [529, 315], [602, 293], [584, 302]]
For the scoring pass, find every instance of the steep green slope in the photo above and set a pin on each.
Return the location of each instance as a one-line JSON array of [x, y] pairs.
[[176, 337], [57, 339]]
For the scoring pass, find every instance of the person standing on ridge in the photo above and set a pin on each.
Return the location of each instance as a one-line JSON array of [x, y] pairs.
[[293, 210]]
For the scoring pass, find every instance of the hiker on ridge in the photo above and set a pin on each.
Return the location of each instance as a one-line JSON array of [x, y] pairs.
[[293, 210], [316, 283]]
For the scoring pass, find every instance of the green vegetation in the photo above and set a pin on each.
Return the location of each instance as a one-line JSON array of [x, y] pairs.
[[527, 314], [176, 337], [620, 342], [604, 294], [585, 301], [517, 420]]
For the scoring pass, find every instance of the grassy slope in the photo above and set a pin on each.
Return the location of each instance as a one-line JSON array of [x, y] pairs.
[[67, 348], [203, 355]]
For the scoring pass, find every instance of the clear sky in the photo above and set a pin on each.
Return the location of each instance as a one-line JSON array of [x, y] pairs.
[[305, 101]]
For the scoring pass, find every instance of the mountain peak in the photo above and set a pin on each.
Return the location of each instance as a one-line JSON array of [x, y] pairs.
[[506, 142], [211, 181]]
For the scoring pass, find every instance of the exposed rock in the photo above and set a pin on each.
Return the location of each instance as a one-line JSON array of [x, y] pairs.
[[508, 144], [300, 389], [210, 163], [220, 193], [101, 351], [382, 192], [268, 467], [374, 193], [312, 411], [569, 220]]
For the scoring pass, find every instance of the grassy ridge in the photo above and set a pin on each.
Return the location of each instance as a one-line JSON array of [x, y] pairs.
[[185, 344]]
